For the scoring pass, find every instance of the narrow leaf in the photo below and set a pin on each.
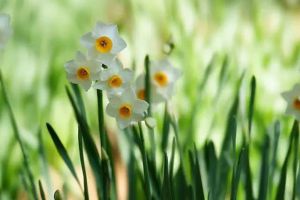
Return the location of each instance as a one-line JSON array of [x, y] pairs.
[[42, 193], [62, 152]]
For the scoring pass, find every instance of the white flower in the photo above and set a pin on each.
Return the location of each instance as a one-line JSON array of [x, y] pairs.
[[114, 79], [126, 108], [292, 98], [83, 70], [104, 42], [140, 90], [5, 29], [164, 76]]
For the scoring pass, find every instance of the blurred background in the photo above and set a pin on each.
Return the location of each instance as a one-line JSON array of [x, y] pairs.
[[260, 38]]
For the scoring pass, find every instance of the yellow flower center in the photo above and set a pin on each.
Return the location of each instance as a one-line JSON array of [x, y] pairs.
[[161, 78], [125, 111], [83, 73], [115, 81], [296, 104], [141, 94], [103, 44]]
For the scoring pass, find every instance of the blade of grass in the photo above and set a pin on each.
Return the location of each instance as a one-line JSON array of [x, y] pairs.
[[198, 187], [103, 137], [171, 166], [165, 129], [90, 147], [42, 193], [211, 166], [282, 181], [141, 145], [18, 137], [236, 175], [82, 162], [264, 170], [251, 104], [274, 154], [148, 99], [166, 188], [62, 152], [295, 163]]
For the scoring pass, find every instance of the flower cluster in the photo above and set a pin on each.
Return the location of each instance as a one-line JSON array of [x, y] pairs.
[[102, 70], [5, 29]]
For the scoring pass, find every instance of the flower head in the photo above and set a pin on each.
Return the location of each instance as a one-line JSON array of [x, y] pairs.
[[83, 70], [115, 79], [163, 77], [5, 29], [126, 108], [292, 98], [140, 90], [103, 42]]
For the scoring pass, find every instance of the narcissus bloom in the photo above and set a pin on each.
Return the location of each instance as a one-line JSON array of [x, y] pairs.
[[140, 90], [115, 79], [164, 76], [104, 42], [83, 70], [292, 98], [5, 29], [126, 108]]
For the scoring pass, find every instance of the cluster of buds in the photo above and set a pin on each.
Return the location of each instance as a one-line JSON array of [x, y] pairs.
[[102, 70]]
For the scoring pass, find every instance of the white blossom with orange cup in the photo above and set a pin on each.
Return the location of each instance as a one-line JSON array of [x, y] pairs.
[[5, 29], [292, 98], [83, 70], [115, 79], [163, 76], [126, 108], [103, 42], [140, 90]]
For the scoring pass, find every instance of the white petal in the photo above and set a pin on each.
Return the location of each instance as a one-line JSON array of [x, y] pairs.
[[87, 40], [80, 57], [140, 106], [72, 78], [86, 84], [123, 123], [118, 45], [128, 95], [111, 110], [127, 75], [71, 66], [100, 85], [102, 29], [105, 58]]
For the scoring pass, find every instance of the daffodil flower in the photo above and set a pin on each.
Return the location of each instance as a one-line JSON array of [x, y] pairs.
[[5, 29], [164, 76], [292, 98], [83, 70], [114, 79], [103, 42], [126, 108], [140, 90]]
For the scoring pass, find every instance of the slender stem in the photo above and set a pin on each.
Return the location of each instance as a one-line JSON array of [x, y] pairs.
[[101, 120], [18, 137]]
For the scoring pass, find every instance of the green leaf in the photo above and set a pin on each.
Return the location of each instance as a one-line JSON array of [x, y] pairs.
[[274, 154], [296, 161], [236, 174], [82, 162], [166, 188], [62, 152], [282, 181], [148, 83], [211, 166], [165, 129], [251, 104], [198, 187], [42, 193], [18, 137], [103, 136], [264, 170], [90, 147]]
